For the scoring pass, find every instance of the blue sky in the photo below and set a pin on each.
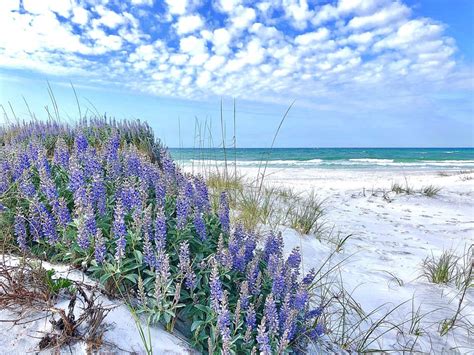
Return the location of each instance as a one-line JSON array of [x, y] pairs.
[[361, 72]]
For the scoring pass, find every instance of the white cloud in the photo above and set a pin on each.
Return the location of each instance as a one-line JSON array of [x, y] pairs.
[[108, 18], [188, 24], [192, 45], [142, 2], [177, 7], [221, 39], [246, 51], [311, 37], [80, 16]]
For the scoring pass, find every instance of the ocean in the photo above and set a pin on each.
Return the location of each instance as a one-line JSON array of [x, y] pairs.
[[332, 158]]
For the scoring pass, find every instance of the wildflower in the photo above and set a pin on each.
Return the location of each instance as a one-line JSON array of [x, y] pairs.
[[309, 278], [34, 220], [119, 230], [61, 154], [160, 229], [182, 210], [61, 212], [48, 225], [244, 295], [26, 186], [98, 193], [185, 265], [224, 218], [223, 323], [263, 339], [160, 192], [251, 317], [100, 249], [201, 197], [273, 245], [271, 314], [294, 259], [216, 288], [20, 231], [81, 144], [200, 226]]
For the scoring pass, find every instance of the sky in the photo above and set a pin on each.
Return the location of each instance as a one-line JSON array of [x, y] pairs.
[[356, 73]]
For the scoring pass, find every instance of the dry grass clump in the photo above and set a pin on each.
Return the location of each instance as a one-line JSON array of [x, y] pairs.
[[28, 288], [305, 215], [430, 190], [442, 269]]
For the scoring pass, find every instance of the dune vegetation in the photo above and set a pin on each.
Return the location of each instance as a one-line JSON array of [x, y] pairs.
[[105, 196]]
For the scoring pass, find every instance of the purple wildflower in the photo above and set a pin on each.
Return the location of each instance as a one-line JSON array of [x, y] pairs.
[[216, 288], [20, 231], [273, 245], [185, 265], [81, 144], [119, 230], [271, 314], [48, 225], [200, 226], [61, 212], [316, 332], [100, 249], [309, 278], [160, 192], [148, 254], [61, 154], [300, 299], [26, 186], [22, 164], [201, 196], [294, 259], [244, 295], [34, 220], [224, 218], [251, 317], [160, 229], [98, 193], [263, 339], [223, 321], [182, 210]]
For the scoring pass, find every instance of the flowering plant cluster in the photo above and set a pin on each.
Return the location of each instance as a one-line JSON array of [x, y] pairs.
[[105, 196]]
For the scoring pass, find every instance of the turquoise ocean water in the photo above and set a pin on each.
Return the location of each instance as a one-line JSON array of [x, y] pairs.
[[334, 158]]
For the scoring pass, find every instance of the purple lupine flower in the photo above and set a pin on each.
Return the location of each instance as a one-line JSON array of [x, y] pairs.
[[47, 186], [48, 225], [81, 144], [251, 317], [168, 167], [132, 164], [2, 208], [316, 332], [294, 259], [300, 299], [98, 194], [100, 249], [253, 276], [20, 231], [273, 245], [271, 314], [61, 212], [130, 196], [223, 321], [244, 296], [148, 253], [119, 230], [160, 192], [26, 186], [278, 284], [314, 313], [34, 220], [200, 226], [92, 164], [185, 265], [160, 229], [263, 339], [22, 164], [61, 154], [201, 196], [216, 288], [82, 234], [250, 245], [309, 278], [224, 217], [182, 210], [163, 262]]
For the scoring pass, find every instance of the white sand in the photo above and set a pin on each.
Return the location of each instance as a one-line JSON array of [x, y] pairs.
[[392, 237]]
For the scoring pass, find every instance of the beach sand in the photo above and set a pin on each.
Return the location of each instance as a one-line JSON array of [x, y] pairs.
[[391, 236]]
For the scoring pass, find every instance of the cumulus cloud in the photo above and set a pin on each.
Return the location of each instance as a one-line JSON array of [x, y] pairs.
[[258, 50]]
